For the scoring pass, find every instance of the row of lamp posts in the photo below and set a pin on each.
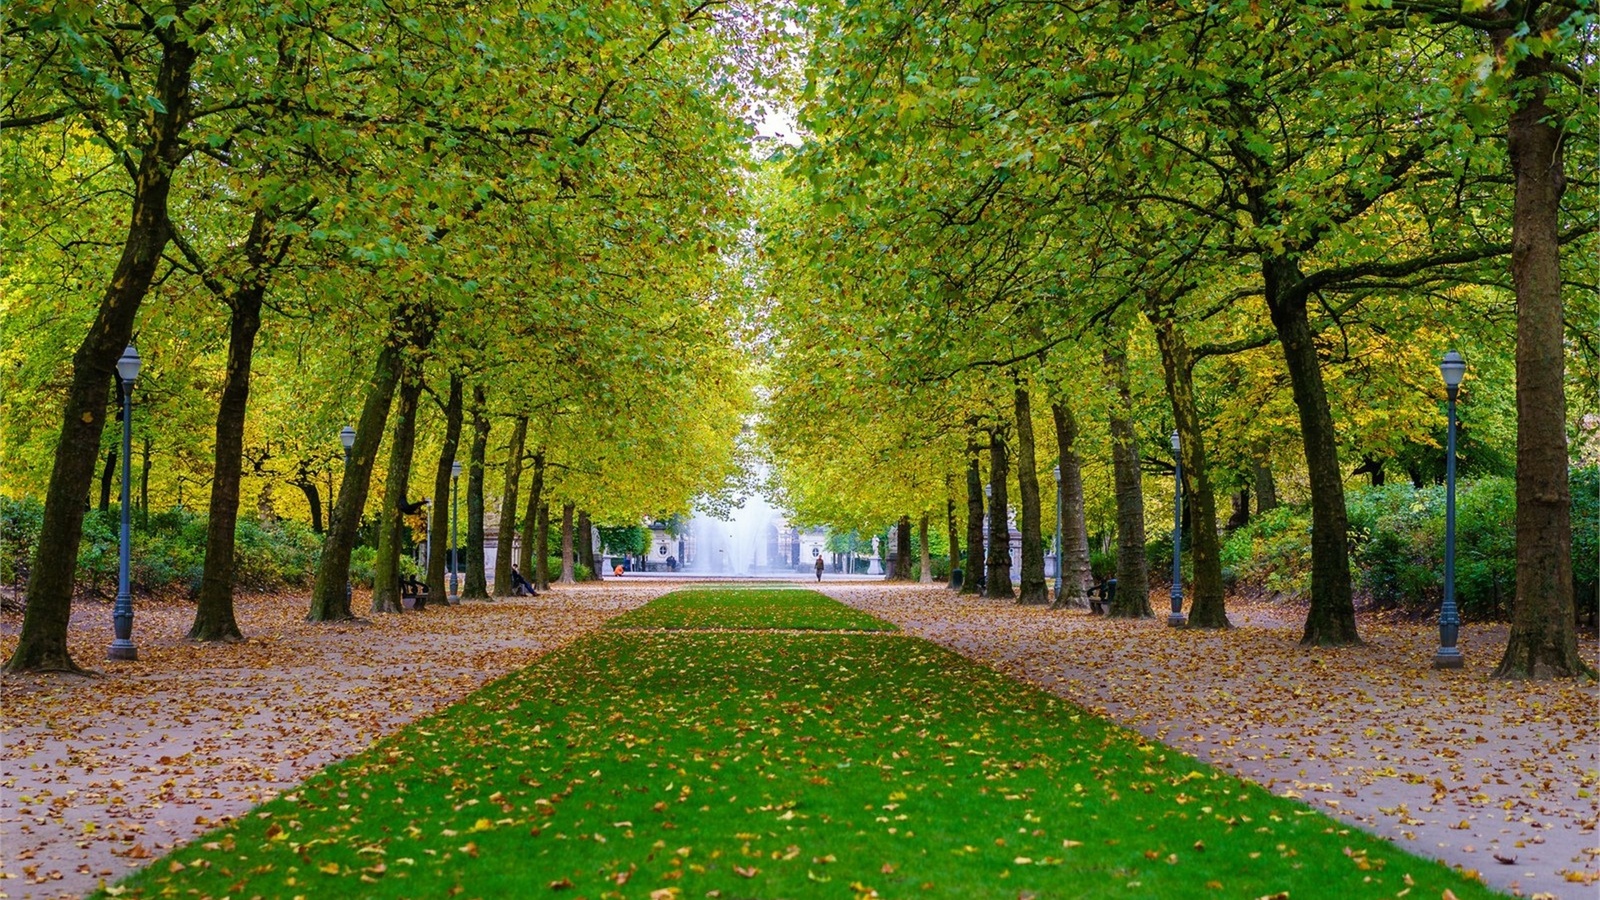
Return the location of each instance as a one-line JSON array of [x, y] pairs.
[[1452, 367]]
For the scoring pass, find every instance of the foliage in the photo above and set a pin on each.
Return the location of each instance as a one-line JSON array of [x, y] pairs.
[[632, 539], [1398, 536], [19, 530], [780, 765], [168, 550], [1273, 552]]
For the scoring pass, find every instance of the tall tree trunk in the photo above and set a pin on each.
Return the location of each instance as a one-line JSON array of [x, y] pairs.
[[1543, 641], [475, 584], [308, 486], [439, 548], [530, 521], [386, 570], [1076, 577], [1034, 590], [109, 473], [998, 559], [330, 601], [975, 558], [926, 576], [583, 535], [508, 510], [213, 617], [1266, 487], [542, 564], [1208, 608], [42, 644], [1331, 620], [902, 549], [1133, 580], [955, 536], [568, 570]]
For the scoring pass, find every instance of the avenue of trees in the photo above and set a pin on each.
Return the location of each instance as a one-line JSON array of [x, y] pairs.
[[1022, 234], [543, 241], [490, 236]]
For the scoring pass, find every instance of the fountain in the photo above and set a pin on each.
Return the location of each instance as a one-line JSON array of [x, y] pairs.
[[736, 546]]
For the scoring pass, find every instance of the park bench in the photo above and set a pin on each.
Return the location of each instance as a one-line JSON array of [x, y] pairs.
[[1104, 593], [413, 593]]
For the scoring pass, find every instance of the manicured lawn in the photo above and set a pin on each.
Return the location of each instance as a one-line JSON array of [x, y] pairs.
[[658, 764], [750, 607]]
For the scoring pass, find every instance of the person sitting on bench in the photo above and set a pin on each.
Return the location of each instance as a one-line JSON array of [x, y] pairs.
[[521, 587]]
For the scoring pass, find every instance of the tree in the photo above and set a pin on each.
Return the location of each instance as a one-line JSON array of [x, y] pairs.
[[148, 138]]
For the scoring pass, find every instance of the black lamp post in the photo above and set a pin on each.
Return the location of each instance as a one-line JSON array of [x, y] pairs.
[[455, 490], [1176, 619], [122, 611], [1452, 367], [1060, 547]]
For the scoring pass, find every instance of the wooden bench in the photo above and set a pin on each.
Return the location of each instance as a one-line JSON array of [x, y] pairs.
[[413, 593]]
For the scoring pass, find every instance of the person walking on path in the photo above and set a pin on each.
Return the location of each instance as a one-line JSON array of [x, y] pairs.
[[819, 568]]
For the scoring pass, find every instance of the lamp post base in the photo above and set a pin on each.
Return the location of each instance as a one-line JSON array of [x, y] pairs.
[[1448, 658], [122, 649], [1177, 620]]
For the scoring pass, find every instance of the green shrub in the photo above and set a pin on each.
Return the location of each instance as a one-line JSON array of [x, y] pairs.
[[20, 521], [1272, 553], [1103, 565], [1397, 541], [363, 562]]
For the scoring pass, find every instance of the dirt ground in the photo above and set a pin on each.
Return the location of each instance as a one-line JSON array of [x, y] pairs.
[[100, 774]]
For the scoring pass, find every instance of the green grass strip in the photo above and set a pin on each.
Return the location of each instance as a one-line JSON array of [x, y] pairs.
[[750, 608], [780, 765]]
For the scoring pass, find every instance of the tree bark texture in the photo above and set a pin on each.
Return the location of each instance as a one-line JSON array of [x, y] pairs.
[[583, 535], [313, 495], [109, 473], [902, 549], [1266, 487], [1133, 579], [329, 600], [439, 547], [213, 616], [42, 643], [975, 557], [1331, 620], [953, 528], [530, 522], [568, 570], [998, 560], [386, 569], [926, 575], [542, 564], [1076, 576], [1543, 640], [504, 556], [1034, 589], [1207, 608], [475, 584]]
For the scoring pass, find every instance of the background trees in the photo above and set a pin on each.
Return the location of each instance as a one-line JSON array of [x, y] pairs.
[[1011, 235]]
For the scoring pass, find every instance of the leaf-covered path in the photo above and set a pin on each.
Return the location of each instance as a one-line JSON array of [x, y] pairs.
[[99, 775], [1451, 765]]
